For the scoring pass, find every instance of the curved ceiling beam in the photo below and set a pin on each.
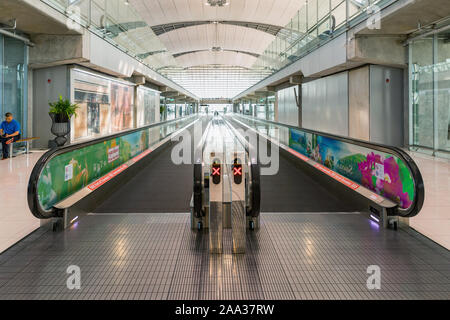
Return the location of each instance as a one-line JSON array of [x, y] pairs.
[[256, 55], [274, 12], [208, 36], [268, 28], [230, 58]]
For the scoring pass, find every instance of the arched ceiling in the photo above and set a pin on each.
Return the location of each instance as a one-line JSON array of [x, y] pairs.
[[274, 12], [216, 58], [226, 37], [195, 34]]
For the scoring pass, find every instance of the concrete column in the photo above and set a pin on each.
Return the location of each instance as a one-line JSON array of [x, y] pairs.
[[275, 107], [299, 105]]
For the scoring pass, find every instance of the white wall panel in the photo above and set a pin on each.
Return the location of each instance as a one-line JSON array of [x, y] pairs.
[[287, 106], [325, 104], [386, 105]]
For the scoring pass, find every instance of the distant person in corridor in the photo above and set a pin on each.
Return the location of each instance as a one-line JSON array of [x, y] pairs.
[[9, 132]]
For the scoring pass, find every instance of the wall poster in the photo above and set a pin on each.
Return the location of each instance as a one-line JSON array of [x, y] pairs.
[[383, 173], [121, 107], [105, 105], [147, 106]]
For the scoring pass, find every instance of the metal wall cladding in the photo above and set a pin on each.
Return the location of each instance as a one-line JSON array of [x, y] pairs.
[[386, 105], [325, 104], [359, 103], [287, 106], [48, 85]]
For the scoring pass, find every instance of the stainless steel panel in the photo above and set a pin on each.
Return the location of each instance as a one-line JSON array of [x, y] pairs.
[[215, 227], [43, 92], [386, 105], [325, 104], [226, 213], [238, 226], [359, 107], [287, 106]]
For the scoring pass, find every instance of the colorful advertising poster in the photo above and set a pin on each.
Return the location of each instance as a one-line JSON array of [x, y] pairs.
[[147, 107], [121, 107], [383, 173], [91, 94]]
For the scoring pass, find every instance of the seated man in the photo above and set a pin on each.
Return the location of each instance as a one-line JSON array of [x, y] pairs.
[[9, 132]]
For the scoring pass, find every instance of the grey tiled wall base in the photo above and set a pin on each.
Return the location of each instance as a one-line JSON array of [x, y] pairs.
[[158, 256]]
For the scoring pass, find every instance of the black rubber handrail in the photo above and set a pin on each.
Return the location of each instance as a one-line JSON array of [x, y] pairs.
[[419, 189], [32, 193]]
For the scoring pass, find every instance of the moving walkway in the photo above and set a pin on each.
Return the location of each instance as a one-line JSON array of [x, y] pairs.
[[379, 180], [106, 174], [226, 191], [73, 180]]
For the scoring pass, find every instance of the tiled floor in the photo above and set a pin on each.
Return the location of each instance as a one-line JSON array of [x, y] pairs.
[[434, 219], [292, 256], [16, 220]]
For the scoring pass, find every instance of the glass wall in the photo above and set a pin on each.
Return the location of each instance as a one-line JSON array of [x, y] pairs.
[[271, 108], [314, 24], [171, 111], [429, 68], [13, 79], [117, 22]]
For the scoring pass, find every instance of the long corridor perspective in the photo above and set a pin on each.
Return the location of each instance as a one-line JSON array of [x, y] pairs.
[[224, 158]]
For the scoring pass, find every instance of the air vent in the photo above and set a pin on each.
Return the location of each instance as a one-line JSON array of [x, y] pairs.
[[217, 3]]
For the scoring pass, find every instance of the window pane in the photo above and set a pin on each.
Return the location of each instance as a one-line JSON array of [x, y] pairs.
[[312, 13], [323, 8], [339, 15], [442, 74], [422, 92], [13, 78]]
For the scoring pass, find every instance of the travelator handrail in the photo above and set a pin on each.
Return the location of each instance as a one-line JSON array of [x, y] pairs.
[[33, 198], [419, 189], [254, 183], [255, 173], [198, 174]]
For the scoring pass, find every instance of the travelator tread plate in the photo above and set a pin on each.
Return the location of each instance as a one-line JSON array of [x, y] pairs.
[[158, 256]]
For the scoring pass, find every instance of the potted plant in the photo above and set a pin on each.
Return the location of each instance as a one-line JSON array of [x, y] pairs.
[[61, 111]]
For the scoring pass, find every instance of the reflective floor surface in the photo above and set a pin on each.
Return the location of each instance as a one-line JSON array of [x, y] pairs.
[[292, 256]]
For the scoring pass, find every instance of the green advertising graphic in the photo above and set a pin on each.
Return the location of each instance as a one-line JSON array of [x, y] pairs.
[[70, 172]]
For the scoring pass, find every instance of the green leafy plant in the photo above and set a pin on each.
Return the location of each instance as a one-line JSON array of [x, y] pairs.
[[63, 107]]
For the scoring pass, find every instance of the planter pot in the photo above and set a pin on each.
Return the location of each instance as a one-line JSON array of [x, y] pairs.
[[60, 128], [59, 118]]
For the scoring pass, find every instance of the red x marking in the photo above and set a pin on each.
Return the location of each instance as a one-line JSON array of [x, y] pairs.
[[216, 171], [237, 171]]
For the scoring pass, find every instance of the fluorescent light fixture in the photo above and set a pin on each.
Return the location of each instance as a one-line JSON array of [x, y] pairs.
[[74, 219], [217, 3], [374, 218]]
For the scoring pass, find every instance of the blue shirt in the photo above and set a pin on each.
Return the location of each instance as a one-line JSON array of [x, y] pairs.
[[10, 127]]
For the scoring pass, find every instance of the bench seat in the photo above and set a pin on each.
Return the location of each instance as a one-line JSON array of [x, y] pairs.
[[27, 144]]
